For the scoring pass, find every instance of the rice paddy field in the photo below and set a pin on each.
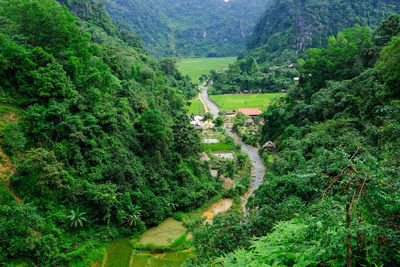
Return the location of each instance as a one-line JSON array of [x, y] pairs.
[[195, 67], [196, 107], [124, 254], [234, 102]]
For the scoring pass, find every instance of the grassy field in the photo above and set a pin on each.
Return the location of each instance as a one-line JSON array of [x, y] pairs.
[[234, 102], [196, 108], [217, 147], [195, 67]]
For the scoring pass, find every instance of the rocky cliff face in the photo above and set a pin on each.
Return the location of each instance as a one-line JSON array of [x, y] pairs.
[[296, 25]]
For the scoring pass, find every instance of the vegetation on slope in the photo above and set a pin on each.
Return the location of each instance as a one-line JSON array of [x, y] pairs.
[[331, 196], [197, 28], [289, 27], [103, 146]]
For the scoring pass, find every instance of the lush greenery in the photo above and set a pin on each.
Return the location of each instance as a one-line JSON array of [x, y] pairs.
[[331, 196], [289, 27], [103, 146], [234, 102], [197, 67], [197, 28], [247, 76]]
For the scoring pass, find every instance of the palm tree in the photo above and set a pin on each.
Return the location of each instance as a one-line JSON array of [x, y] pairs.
[[76, 218]]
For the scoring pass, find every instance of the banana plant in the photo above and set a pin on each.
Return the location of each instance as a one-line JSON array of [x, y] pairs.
[[76, 218]]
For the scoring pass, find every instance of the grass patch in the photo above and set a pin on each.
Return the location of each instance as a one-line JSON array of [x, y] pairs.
[[168, 260], [217, 147], [119, 254], [196, 107], [234, 102], [195, 67]]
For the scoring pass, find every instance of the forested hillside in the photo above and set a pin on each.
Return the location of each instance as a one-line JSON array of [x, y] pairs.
[[331, 192], [285, 31], [290, 27], [189, 28], [95, 134]]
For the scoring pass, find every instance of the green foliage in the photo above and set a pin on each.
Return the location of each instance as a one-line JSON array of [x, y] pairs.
[[76, 218], [208, 116], [291, 27], [389, 68], [219, 121], [104, 126], [346, 57], [222, 236], [13, 139], [331, 196], [17, 230], [247, 76]]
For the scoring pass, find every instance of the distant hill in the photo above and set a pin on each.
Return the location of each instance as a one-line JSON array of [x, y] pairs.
[[289, 27], [189, 28]]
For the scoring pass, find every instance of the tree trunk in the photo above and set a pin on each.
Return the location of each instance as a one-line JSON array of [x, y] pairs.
[[348, 241]]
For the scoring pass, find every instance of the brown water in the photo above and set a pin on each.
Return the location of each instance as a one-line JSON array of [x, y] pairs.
[[216, 208]]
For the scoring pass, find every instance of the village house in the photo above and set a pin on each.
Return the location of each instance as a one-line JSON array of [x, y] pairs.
[[230, 112], [252, 112], [249, 122], [269, 146]]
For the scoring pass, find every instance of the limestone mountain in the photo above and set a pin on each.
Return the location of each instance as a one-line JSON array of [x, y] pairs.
[[289, 27], [189, 28]]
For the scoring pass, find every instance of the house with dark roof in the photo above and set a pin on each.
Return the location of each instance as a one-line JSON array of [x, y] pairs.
[[269, 146]]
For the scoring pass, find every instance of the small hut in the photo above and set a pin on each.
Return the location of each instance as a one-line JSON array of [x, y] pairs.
[[269, 146], [249, 122], [230, 112]]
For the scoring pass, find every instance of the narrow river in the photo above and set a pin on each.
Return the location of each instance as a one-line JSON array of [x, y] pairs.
[[258, 168]]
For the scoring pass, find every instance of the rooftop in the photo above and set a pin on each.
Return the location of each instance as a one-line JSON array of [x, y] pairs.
[[250, 111]]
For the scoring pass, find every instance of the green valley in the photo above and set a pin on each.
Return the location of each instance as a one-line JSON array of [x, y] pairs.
[[120, 144]]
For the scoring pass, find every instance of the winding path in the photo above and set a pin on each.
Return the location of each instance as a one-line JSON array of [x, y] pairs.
[[258, 168]]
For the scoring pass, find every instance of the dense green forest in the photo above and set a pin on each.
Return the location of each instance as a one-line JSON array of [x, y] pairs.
[[331, 193], [195, 28], [95, 130]]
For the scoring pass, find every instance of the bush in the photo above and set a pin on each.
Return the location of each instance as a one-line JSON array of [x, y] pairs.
[[178, 215], [208, 116], [13, 139], [218, 122]]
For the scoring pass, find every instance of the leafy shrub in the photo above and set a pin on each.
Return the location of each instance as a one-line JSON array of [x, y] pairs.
[[13, 139]]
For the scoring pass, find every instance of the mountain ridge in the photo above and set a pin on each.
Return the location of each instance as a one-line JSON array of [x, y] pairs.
[[191, 28]]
